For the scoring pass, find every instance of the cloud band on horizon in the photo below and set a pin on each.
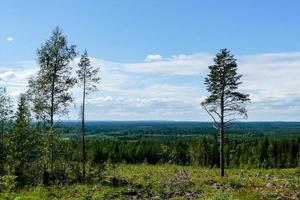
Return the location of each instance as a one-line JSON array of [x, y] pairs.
[[171, 88]]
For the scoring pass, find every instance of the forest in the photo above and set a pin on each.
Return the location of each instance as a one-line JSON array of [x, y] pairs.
[[40, 153]]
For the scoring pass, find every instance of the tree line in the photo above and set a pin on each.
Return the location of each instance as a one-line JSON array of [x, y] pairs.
[[269, 152], [27, 159]]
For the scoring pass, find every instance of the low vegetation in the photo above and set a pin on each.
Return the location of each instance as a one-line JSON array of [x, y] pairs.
[[171, 182]]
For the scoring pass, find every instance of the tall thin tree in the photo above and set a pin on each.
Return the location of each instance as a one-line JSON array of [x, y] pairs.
[[54, 77], [51, 86], [88, 79], [224, 103]]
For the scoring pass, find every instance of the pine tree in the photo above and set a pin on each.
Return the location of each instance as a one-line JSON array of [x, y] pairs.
[[21, 141], [87, 80], [224, 103]]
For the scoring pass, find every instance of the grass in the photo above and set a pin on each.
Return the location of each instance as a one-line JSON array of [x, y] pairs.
[[174, 182]]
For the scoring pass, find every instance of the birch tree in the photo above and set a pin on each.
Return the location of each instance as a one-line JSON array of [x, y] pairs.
[[50, 89]]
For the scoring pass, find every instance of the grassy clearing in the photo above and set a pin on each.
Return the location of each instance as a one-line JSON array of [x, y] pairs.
[[175, 182]]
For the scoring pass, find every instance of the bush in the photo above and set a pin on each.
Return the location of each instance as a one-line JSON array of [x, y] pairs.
[[235, 184], [7, 183]]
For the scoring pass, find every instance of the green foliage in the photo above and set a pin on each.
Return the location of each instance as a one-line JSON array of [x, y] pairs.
[[5, 116], [7, 183], [235, 184], [222, 83], [21, 145], [5, 106], [49, 91], [224, 103], [87, 75], [199, 151], [221, 197], [30, 154], [173, 182]]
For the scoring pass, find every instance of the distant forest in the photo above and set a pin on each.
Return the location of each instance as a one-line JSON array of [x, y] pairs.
[[169, 129], [251, 144]]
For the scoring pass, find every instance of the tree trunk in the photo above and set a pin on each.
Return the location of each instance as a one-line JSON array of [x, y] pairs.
[[83, 132], [222, 137], [51, 123], [222, 151], [52, 98]]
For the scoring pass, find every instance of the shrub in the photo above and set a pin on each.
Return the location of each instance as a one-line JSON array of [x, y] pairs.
[[7, 183], [235, 184]]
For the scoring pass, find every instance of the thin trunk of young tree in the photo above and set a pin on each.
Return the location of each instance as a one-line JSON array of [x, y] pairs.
[[52, 105], [51, 134], [51, 122], [83, 131], [52, 97]]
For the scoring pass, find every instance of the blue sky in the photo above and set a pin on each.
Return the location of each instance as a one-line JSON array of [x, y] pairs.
[[154, 54]]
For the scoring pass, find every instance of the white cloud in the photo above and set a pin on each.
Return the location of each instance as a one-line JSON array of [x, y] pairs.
[[176, 65], [8, 75], [271, 75], [9, 39], [141, 104], [17, 75], [153, 57], [119, 108]]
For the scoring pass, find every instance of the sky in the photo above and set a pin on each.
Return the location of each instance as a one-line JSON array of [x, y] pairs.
[[154, 55]]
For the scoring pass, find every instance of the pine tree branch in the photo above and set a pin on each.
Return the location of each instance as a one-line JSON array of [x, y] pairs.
[[215, 121]]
